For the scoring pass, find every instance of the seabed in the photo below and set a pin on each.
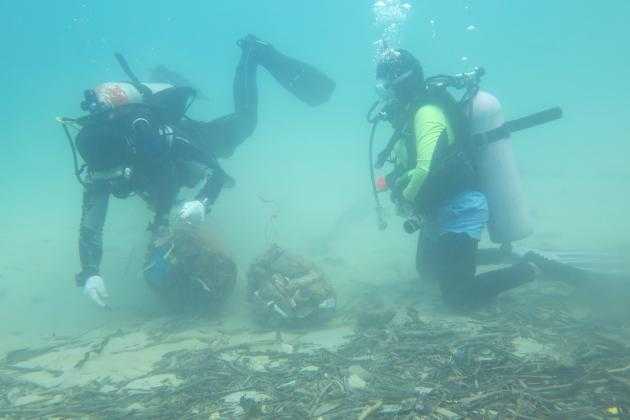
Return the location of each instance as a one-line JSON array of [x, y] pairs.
[[531, 355]]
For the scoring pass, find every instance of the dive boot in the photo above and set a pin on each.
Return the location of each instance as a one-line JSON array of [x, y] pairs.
[[255, 46]]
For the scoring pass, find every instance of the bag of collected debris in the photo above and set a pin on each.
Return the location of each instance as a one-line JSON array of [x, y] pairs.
[[285, 288], [190, 270]]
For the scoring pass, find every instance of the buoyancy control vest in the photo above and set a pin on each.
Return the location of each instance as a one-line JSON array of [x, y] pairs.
[[451, 169], [120, 116], [120, 144]]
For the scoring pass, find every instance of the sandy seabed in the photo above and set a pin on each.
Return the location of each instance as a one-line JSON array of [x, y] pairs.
[[536, 353]]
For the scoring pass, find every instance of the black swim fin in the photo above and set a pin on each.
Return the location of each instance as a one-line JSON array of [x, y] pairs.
[[578, 267], [571, 266], [304, 81]]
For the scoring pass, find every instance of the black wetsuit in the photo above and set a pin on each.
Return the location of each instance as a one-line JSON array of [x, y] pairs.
[[451, 260], [161, 158]]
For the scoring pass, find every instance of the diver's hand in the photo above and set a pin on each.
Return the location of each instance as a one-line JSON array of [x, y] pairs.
[[403, 207], [193, 212], [95, 289]]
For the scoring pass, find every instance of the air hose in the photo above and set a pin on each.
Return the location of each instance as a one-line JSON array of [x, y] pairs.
[[78, 170], [380, 211]]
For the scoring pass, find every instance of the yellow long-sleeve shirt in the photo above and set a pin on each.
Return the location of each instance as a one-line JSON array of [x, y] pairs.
[[428, 125]]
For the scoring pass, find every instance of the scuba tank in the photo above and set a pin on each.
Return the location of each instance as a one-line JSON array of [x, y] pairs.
[[496, 167], [171, 102], [168, 101], [112, 95], [497, 172]]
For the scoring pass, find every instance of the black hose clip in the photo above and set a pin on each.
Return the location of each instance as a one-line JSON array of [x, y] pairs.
[[377, 113], [412, 225]]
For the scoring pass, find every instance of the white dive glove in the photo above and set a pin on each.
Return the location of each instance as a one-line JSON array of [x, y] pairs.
[[193, 212], [95, 289]]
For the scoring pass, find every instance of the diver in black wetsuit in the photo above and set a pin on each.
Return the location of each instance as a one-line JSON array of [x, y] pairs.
[[153, 150]]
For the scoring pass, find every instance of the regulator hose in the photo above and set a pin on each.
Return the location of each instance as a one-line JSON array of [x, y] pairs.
[[382, 224], [78, 170]]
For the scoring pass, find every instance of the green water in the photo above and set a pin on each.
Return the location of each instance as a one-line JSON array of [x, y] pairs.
[[310, 162]]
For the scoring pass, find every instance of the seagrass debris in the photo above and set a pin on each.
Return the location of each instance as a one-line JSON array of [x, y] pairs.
[[518, 363]]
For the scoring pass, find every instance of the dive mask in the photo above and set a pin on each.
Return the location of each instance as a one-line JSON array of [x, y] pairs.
[[92, 104], [386, 89]]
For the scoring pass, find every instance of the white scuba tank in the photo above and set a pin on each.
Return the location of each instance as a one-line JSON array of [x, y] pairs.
[[498, 174], [115, 94]]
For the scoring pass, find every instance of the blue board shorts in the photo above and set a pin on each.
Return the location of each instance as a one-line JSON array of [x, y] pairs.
[[467, 213]]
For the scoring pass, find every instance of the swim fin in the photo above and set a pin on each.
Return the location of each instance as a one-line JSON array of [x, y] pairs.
[[304, 81], [578, 267]]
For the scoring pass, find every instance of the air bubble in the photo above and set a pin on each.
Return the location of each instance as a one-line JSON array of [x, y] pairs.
[[389, 17]]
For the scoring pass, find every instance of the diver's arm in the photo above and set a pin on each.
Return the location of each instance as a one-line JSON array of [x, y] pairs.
[[429, 124], [216, 179], [93, 215]]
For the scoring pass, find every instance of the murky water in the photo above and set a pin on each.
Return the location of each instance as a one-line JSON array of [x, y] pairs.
[[302, 181]]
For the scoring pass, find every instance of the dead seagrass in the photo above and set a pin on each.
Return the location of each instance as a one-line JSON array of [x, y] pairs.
[[287, 289]]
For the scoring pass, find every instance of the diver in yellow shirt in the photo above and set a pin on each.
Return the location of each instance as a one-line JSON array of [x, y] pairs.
[[434, 179]]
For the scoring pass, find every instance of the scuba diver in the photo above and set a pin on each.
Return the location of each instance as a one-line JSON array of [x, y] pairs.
[[453, 173], [136, 139]]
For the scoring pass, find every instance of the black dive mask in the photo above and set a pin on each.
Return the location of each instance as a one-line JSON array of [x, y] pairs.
[[399, 76], [91, 103]]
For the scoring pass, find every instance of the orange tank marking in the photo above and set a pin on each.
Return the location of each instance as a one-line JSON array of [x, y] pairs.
[[117, 96]]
